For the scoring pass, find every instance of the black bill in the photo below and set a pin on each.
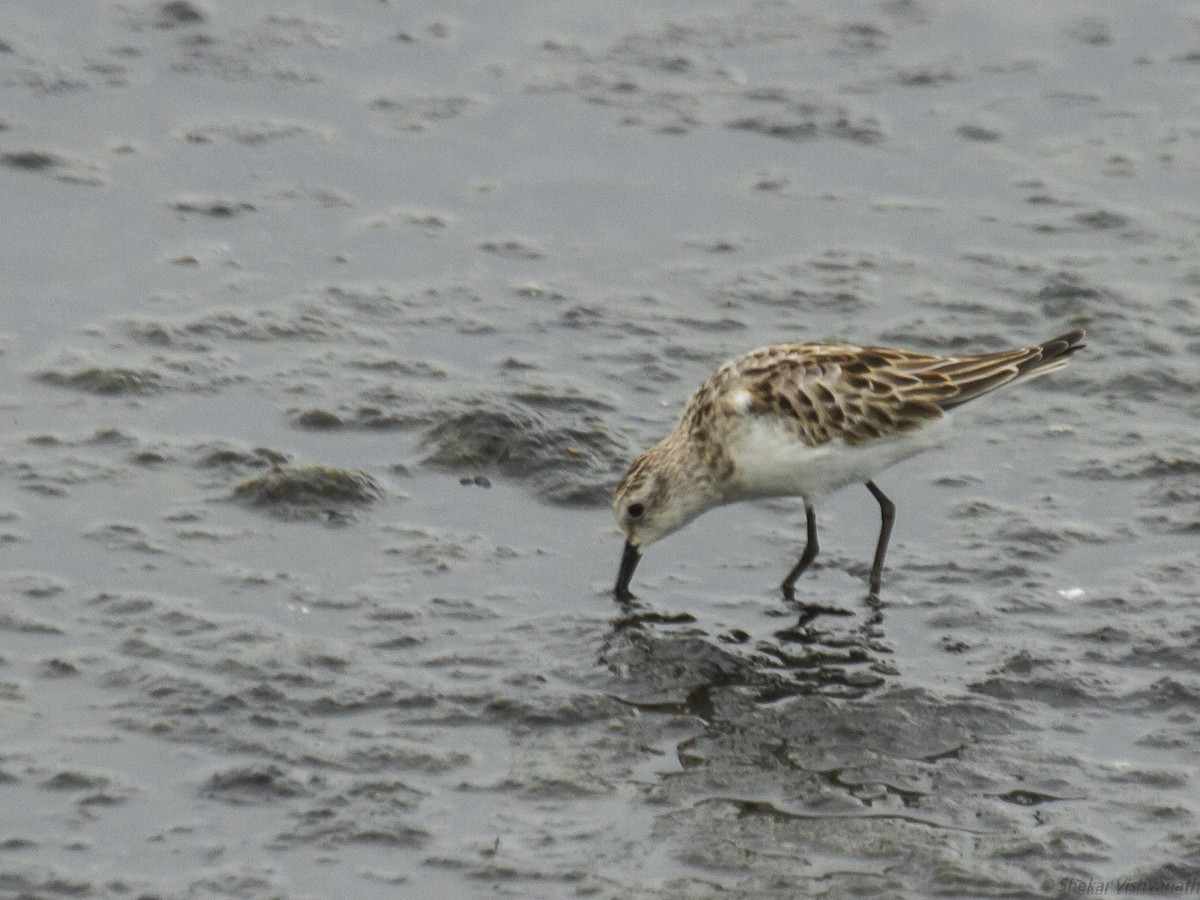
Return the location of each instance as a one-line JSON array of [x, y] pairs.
[[629, 560]]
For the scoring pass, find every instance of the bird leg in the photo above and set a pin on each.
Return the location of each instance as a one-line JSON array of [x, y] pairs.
[[810, 553], [887, 511]]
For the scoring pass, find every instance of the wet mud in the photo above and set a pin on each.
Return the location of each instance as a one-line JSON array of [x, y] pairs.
[[327, 330]]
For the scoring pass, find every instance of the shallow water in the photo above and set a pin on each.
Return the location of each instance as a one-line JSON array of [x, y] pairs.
[[477, 256]]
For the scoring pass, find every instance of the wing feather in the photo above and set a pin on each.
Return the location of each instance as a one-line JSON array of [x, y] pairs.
[[826, 392]]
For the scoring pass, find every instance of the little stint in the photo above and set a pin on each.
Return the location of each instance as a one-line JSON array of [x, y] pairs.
[[802, 420]]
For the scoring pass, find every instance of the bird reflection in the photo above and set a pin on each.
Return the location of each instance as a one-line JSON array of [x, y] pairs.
[[824, 649]]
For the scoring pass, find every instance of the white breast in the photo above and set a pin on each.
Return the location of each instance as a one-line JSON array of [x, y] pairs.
[[770, 462]]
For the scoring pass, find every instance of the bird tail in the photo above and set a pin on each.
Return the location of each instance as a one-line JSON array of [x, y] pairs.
[[979, 374]]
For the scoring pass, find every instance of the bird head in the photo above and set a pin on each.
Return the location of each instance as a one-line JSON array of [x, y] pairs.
[[656, 497]]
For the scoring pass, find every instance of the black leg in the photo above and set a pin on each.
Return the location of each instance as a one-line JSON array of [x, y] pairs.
[[887, 512], [810, 553]]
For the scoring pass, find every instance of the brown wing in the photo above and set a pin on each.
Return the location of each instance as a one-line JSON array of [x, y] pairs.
[[856, 394], [859, 394], [977, 374]]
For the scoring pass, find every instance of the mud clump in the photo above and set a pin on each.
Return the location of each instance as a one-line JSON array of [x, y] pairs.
[[31, 160], [107, 380], [567, 463], [305, 491], [175, 13]]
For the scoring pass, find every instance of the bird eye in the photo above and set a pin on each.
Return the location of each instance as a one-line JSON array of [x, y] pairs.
[[636, 510]]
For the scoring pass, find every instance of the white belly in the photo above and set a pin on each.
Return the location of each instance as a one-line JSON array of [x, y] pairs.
[[770, 462]]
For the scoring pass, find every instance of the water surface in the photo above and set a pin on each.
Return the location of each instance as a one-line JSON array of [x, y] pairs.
[[476, 256]]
